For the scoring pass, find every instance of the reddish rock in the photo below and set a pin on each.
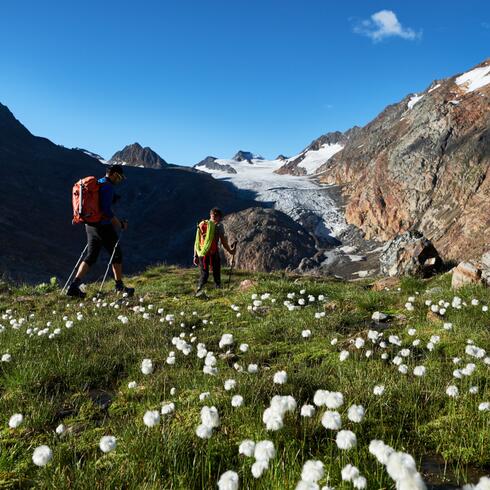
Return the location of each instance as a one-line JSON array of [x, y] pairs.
[[466, 273]]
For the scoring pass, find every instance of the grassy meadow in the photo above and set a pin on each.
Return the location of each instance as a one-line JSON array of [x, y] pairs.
[[76, 373]]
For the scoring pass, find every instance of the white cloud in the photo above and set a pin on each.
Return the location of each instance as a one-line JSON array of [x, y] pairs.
[[385, 24]]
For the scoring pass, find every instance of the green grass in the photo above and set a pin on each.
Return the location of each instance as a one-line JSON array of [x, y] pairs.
[[61, 380]]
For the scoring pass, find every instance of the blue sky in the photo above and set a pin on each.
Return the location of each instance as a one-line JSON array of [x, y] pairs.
[[209, 77]]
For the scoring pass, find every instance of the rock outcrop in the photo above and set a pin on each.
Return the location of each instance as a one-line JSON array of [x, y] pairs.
[[409, 254], [136, 156], [466, 273], [267, 240], [424, 163], [210, 163]]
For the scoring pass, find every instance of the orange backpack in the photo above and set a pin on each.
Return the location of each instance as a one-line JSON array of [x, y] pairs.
[[85, 201]]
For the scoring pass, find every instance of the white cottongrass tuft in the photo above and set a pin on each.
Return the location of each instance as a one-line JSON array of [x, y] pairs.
[[349, 473], [151, 418], [346, 440], [147, 366], [60, 429], [259, 467], [355, 413], [378, 390], [168, 408], [334, 400], [452, 391], [107, 444], [264, 450], [226, 340], [237, 401], [360, 482], [230, 384], [228, 481], [484, 407], [247, 448], [280, 377], [132, 385], [307, 411], [419, 371], [401, 467], [16, 420], [343, 355], [252, 368], [331, 420], [380, 450], [312, 471], [42, 455]]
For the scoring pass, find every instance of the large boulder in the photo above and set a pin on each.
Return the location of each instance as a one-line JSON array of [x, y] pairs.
[[466, 273], [409, 254], [267, 240]]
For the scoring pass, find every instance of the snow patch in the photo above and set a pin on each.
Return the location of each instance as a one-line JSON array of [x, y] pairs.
[[433, 88], [313, 159], [413, 100], [474, 79]]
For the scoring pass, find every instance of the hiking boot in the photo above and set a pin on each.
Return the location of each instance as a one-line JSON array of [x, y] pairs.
[[75, 291], [124, 290], [199, 292]]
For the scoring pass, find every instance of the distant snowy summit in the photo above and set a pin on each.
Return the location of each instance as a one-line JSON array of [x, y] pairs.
[[136, 156], [214, 164], [316, 154]]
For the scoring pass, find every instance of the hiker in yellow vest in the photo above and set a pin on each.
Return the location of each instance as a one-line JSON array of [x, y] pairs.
[[206, 248]]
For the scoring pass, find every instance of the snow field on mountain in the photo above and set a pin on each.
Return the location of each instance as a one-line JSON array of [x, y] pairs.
[[474, 79]]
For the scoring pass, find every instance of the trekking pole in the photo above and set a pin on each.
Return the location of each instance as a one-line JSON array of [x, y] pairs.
[[74, 269], [109, 264], [232, 265]]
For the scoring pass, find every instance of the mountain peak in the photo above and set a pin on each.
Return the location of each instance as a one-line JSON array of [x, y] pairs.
[[136, 156], [242, 155]]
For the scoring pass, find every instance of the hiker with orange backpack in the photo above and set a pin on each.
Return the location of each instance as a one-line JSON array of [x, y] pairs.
[[92, 205], [206, 248]]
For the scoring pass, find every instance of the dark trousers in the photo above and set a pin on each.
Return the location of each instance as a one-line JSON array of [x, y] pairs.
[[204, 265], [98, 237]]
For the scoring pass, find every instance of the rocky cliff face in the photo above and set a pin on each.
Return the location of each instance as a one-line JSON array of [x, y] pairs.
[[267, 240], [423, 164], [136, 156]]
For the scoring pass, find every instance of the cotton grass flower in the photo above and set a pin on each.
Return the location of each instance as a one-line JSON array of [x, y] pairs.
[[107, 444], [484, 407], [452, 391], [259, 467], [147, 366], [349, 472], [355, 413], [16, 420], [247, 448], [311, 473], [346, 440], [168, 408], [280, 377], [307, 411], [237, 401], [60, 429], [230, 384], [228, 481], [264, 450], [378, 390], [226, 340], [252, 368], [360, 482], [419, 371], [42, 455], [343, 355], [380, 450], [331, 420], [151, 418]]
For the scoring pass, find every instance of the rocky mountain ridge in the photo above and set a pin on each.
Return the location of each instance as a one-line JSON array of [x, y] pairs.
[[423, 164], [136, 156]]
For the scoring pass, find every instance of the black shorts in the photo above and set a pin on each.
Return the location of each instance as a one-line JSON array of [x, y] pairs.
[[99, 236]]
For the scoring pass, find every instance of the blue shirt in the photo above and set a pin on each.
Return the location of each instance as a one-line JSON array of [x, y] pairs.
[[106, 195]]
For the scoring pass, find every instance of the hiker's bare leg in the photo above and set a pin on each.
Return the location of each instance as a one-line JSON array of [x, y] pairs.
[[117, 270], [82, 270]]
